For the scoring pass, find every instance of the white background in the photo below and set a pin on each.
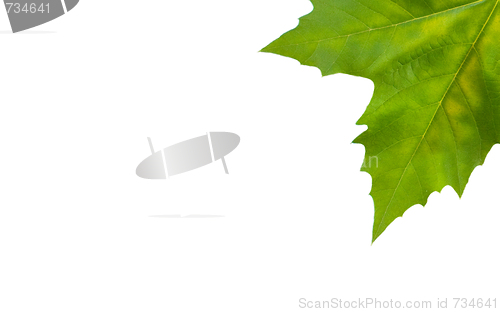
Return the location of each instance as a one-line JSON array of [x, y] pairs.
[[80, 95]]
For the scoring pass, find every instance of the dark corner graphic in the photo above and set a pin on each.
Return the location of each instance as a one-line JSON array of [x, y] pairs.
[[28, 14], [188, 155]]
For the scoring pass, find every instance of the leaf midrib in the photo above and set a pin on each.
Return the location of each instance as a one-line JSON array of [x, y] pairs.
[[434, 116]]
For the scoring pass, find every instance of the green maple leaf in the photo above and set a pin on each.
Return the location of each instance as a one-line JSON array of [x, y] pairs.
[[436, 68]]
